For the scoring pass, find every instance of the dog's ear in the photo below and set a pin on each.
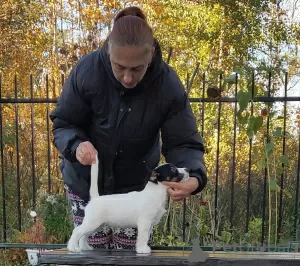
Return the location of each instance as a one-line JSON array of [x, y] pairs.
[[153, 177]]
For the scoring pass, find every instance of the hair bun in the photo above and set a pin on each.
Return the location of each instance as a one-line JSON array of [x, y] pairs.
[[131, 11]]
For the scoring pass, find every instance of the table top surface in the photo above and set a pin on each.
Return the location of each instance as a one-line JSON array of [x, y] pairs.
[[163, 257]]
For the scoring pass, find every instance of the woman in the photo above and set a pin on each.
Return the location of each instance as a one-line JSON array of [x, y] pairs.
[[117, 100]]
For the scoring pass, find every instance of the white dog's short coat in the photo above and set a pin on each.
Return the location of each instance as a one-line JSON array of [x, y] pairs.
[[142, 209]]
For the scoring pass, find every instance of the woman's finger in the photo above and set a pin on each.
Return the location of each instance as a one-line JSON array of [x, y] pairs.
[[83, 148], [81, 159], [89, 158], [177, 193], [177, 198], [84, 156]]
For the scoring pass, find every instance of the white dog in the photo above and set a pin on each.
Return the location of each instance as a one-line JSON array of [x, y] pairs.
[[142, 209]]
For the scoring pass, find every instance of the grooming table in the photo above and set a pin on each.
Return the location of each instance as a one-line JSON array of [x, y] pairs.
[[162, 257]]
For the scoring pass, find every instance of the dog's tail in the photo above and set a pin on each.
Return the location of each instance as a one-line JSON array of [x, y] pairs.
[[94, 179]]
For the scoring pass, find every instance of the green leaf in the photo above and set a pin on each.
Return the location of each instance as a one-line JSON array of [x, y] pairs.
[[208, 197], [261, 164], [287, 193], [226, 236], [277, 132], [170, 237], [242, 119], [255, 152], [269, 148], [204, 229], [279, 170], [273, 184], [250, 133], [283, 159], [257, 123], [243, 99]]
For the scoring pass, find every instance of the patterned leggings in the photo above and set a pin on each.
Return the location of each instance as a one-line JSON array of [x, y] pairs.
[[105, 237]]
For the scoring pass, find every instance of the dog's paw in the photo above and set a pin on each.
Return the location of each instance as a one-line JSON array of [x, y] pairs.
[[73, 246], [83, 245], [143, 249]]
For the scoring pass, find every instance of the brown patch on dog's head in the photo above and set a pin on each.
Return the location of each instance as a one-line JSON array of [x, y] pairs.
[[153, 177]]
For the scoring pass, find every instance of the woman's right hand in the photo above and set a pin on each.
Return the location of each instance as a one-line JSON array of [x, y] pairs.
[[86, 153]]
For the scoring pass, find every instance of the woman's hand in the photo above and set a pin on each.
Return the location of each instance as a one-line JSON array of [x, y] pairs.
[[181, 190], [86, 153]]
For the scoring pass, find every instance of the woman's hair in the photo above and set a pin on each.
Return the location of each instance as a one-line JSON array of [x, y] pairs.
[[131, 28]]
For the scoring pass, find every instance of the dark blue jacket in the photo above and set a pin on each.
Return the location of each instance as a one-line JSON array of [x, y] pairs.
[[124, 125]]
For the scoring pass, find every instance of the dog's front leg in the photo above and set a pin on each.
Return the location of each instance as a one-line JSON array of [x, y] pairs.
[[83, 243], [73, 243], [144, 227]]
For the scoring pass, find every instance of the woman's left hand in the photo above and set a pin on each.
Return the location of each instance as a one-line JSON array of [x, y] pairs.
[[181, 190]]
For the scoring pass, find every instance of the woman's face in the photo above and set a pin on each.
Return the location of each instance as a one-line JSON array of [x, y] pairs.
[[130, 63]]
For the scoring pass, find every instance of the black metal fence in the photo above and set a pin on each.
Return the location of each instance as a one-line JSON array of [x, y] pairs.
[[206, 107]]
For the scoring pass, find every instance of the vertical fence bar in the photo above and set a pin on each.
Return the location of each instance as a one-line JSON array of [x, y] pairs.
[[283, 153], [4, 226], [18, 157], [168, 201], [202, 113], [32, 145], [265, 174], [184, 220], [169, 55], [296, 219], [184, 200], [250, 163], [217, 161], [233, 156], [48, 134]]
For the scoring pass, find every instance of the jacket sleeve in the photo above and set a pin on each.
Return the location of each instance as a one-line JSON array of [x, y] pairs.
[[69, 116], [182, 144]]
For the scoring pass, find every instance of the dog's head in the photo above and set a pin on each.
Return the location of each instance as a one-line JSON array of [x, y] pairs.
[[170, 173]]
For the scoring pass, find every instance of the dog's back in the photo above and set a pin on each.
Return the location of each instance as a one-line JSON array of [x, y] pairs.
[[124, 210]]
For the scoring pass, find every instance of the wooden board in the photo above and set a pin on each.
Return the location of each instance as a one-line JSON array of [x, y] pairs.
[[161, 257]]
